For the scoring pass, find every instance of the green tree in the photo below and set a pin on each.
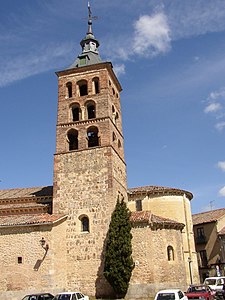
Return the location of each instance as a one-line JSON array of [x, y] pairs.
[[118, 255]]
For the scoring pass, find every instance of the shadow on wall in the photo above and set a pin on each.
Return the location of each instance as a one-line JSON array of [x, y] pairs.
[[102, 288], [40, 261]]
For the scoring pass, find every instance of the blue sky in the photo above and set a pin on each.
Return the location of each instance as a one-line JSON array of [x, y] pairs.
[[170, 59]]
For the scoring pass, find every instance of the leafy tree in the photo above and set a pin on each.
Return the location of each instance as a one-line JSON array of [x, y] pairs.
[[118, 260]]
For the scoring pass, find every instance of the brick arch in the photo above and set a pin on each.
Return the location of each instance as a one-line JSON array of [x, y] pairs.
[[72, 139]]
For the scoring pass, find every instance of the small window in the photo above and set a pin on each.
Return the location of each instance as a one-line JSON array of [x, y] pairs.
[[69, 89], [96, 85], [83, 61], [200, 232], [20, 260], [113, 91], [75, 112], [138, 205], [170, 253], [119, 144], [180, 294], [114, 137], [91, 112], [83, 88], [92, 135], [85, 224], [73, 139]]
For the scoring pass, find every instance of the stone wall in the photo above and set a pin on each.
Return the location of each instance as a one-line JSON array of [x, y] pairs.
[[175, 207], [38, 270], [153, 271]]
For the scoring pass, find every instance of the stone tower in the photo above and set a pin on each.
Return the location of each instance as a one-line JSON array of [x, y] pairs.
[[89, 166]]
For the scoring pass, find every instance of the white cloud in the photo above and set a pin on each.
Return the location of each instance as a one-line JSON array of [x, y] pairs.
[[191, 18], [213, 107], [29, 64], [216, 106], [221, 165], [220, 125], [152, 35], [119, 69], [222, 192]]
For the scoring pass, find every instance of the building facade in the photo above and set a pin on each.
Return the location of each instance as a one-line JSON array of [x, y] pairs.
[[55, 236], [209, 232]]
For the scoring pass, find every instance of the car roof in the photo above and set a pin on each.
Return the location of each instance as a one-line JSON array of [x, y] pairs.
[[169, 291], [214, 277], [68, 293], [38, 294]]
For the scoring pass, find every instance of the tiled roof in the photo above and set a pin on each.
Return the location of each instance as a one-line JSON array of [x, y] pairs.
[[27, 220], [222, 231], [208, 216], [149, 218], [151, 190], [26, 192]]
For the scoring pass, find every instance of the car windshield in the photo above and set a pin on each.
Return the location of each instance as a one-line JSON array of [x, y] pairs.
[[63, 297], [166, 296], [210, 281], [197, 289]]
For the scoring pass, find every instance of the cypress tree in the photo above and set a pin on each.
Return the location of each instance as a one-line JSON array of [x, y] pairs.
[[118, 255]]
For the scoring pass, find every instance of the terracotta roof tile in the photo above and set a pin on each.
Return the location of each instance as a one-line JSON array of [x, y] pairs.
[[151, 189], [141, 217], [27, 220], [149, 218], [26, 192], [208, 216]]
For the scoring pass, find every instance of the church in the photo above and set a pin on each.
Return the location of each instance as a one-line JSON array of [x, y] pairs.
[[52, 238]]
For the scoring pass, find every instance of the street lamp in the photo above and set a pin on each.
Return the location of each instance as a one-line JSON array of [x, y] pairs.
[[189, 265], [44, 244]]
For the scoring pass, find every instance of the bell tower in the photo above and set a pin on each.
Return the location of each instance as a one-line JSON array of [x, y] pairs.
[[89, 166]]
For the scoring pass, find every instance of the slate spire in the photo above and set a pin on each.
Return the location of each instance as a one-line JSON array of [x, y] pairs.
[[89, 44]]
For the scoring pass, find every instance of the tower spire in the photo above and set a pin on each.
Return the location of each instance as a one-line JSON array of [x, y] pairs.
[[89, 44], [89, 19]]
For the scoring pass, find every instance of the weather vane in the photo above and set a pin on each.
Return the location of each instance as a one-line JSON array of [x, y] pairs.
[[90, 18]]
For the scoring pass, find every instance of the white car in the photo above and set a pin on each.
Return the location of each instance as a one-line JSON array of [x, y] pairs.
[[71, 296], [215, 283], [172, 294]]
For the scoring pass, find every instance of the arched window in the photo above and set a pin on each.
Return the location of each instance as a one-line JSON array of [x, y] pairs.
[[96, 88], [83, 87], [69, 89], [75, 112], [92, 135], [84, 224], [72, 136], [114, 136], [170, 253], [91, 111], [119, 144]]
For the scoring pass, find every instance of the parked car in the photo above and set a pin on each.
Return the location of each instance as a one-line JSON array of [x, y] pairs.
[[71, 296], [215, 283], [40, 296], [220, 294], [171, 294], [200, 292]]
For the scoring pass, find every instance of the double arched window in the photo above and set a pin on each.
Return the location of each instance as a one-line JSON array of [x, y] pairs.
[[72, 137]]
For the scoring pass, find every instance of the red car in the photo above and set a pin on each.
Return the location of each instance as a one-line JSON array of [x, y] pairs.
[[202, 292]]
